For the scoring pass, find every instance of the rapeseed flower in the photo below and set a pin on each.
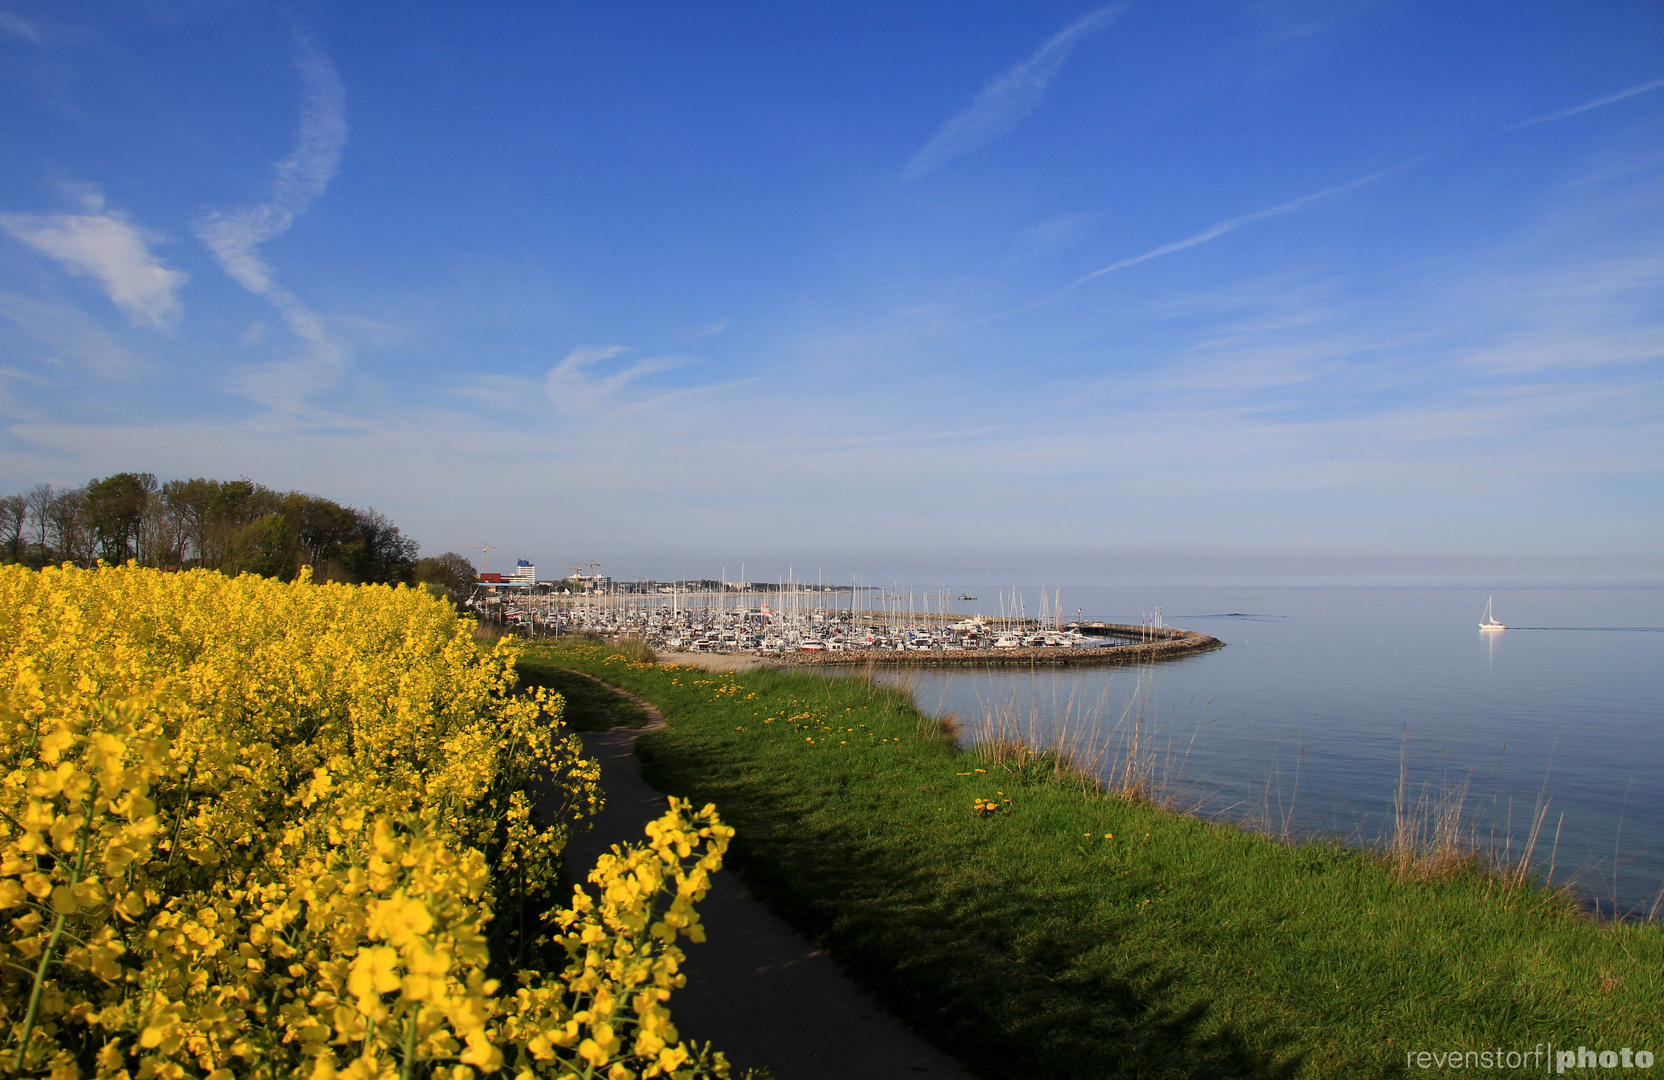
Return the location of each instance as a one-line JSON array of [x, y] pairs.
[[286, 819]]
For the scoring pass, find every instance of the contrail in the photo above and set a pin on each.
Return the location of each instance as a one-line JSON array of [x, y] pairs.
[[235, 237], [1221, 228], [1230, 224], [1008, 97], [1546, 118]]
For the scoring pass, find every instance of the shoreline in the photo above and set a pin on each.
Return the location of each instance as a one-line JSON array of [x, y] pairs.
[[1018, 919]]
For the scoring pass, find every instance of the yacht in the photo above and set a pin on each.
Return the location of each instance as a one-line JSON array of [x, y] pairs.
[[1490, 622]]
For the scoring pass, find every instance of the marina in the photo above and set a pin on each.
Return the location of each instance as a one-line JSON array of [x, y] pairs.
[[845, 625]]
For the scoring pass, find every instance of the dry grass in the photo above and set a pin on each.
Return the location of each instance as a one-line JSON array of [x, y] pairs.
[[1127, 759], [1439, 829], [1432, 835], [636, 649], [1436, 834]]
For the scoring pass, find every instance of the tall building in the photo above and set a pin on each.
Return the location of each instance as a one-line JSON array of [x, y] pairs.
[[524, 574]]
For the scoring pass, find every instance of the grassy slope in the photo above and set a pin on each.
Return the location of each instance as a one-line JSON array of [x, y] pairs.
[[589, 706], [1031, 944]]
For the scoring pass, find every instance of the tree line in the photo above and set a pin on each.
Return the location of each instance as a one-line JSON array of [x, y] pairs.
[[234, 526]]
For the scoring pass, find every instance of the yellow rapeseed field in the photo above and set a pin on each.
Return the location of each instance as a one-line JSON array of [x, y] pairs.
[[259, 829]]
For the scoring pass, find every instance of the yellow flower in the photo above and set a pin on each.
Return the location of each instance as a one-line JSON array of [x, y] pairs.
[[335, 762]]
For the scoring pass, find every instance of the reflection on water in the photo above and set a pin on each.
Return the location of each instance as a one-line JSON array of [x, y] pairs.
[[1302, 722]]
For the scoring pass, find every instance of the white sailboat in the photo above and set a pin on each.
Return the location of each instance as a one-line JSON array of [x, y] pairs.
[[1490, 622]]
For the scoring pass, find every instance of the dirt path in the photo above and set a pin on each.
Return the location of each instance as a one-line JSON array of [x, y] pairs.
[[756, 990], [714, 661]]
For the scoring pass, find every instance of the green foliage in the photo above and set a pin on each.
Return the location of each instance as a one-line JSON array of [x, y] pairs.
[[115, 511], [449, 575], [589, 705], [1069, 934], [235, 526]]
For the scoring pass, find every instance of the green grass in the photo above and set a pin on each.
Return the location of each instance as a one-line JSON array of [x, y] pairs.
[[589, 706], [1029, 944]]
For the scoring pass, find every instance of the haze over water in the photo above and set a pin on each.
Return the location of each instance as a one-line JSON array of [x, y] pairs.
[[1304, 715]]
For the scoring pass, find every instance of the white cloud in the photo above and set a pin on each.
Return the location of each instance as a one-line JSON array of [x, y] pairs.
[[1008, 98], [10, 407], [104, 244], [502, 393], [235, 236], [706, 331], [13, 25], [1286, 19], [68, 332], [575, 391]]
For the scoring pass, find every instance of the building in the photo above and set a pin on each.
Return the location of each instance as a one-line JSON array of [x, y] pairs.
[[581, 582], [524, 573]]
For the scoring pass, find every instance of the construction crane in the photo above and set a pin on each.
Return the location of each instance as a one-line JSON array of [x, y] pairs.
[[481, 548], [578, 574]]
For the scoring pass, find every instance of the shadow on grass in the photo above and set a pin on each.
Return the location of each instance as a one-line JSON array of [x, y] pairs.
[[590, 706], [939, 942]]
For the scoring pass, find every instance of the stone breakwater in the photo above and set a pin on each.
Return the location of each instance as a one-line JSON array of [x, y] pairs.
[[1167, 643]]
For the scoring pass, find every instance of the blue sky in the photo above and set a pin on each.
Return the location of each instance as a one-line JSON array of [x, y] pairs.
[[1265, 290]]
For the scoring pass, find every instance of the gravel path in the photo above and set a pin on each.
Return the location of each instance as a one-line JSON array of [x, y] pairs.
[[756, 990]]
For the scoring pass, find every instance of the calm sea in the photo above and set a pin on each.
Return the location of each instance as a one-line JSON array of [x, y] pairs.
[[1321, 696]]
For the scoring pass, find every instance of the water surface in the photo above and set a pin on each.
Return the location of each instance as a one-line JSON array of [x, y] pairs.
[[1303, 720]]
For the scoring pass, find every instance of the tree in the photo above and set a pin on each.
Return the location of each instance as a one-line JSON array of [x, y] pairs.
[[451, 574], [115, 509], [66, 520], [383, 554], [228, 506], [234, 526], [14, 514], [327, 535], [39, 500], [266, 546]]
